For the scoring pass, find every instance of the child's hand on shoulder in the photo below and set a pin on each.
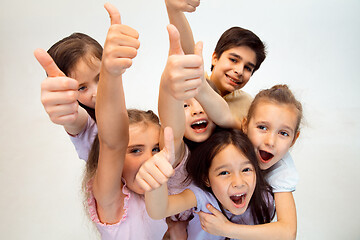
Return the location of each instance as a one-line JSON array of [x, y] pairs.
[[183, 74], [157, 170], [215, 222], [182, 5], [121, 44], [59, 93]]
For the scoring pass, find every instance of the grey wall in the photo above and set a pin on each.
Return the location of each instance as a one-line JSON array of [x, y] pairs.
[[313, 47]]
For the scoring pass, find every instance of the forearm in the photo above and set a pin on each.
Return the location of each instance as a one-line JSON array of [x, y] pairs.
[[79, 124], [216, 107], [111, 113], [276, 230], [178, 19], [156, 202]]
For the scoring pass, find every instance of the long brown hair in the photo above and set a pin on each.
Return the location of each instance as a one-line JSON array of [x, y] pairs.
[[200, 160]]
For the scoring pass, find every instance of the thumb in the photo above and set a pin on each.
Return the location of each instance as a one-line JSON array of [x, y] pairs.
[[213, 210], [48, 63], [113, 13], [169, 144], [174, 38]]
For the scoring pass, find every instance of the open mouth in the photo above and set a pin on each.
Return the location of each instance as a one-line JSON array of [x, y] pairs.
[[199, 125], [238, 199], [235, 81], [265, 156]]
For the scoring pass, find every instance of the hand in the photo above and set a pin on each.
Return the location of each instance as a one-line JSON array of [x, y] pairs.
[[120, 46], [182, 5], [157, 170], [183, 74], [214, 223], [58, 93]]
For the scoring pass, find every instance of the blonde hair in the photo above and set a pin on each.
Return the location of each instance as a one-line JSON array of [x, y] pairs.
[[280, 94]]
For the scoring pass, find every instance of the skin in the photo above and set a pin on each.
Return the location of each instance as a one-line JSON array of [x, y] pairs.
[[143, 144], [233, 69], [272, 129], [195, 113], [87, 74], [231, 173]]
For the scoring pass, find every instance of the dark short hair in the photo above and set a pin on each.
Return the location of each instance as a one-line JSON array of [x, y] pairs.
[[237, 36]]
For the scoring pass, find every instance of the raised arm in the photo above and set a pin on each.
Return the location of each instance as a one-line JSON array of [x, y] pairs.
[[120, 47], [179, 81], [175, 10], [216, 107], [59, 96], [284, 228]]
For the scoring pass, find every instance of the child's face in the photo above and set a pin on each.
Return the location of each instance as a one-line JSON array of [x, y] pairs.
[[233, 69], [271, 130], [143, 144], [232, 179], [198, 127], [88, 78]]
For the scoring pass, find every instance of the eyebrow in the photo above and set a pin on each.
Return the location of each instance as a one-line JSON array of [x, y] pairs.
[[226, 165], [239, 57], [136, 145]]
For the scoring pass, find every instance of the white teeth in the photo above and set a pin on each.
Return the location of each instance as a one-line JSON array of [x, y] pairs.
[[239, 195], [234, 80], [200, 122]]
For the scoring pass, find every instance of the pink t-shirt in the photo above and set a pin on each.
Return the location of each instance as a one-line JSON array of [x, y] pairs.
[[134, 224]]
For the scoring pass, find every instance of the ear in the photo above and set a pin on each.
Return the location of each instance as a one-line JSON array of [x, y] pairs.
[[214, 59], [207, 182], [244, 126], [295, 138]]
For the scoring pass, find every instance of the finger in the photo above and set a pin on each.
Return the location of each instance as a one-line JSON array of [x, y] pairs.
[[113, 13], [65, 119], [213, 210], [169, 144], [193, 3], [53, 84], [47, 63], [174, 38]]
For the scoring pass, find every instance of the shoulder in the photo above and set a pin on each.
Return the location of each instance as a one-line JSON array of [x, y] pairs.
[[283, 176]]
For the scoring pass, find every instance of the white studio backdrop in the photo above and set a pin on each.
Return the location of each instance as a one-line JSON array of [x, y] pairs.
[[313, 46]]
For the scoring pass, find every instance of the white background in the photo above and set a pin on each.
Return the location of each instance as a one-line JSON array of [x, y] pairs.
[[313, 46]]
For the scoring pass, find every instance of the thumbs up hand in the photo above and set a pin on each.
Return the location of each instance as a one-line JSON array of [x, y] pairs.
[[183, 74], [182, 5], [59, 93], [157, 170], [120, 46]]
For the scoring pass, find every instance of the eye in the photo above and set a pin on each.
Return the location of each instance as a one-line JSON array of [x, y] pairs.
[[135, 150], [233, 60], [262, 127], [248, 169], [83, 88], [155, 150], [285, 134], [223, 173], [248, 68], [186, 105]]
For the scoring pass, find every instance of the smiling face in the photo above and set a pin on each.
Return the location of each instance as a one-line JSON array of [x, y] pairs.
[[143, 144], [232, 179], [198, 127], [87, 72], [233, 69], [271, 129]]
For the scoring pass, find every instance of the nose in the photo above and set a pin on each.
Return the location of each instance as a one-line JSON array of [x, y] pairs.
[[237, 181], [270, 139], [238, 69], [196, 109]]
